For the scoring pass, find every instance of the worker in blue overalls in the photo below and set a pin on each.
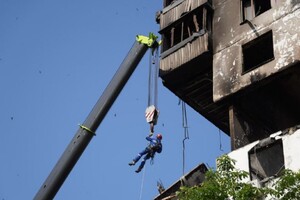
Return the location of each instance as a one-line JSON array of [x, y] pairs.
[[154, 146]]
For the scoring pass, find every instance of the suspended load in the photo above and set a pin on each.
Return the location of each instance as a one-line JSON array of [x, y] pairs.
[[151, 115]]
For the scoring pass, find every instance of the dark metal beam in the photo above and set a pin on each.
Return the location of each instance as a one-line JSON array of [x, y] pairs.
[[86, 132]]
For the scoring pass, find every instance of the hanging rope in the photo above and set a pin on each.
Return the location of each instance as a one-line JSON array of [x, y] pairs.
[[186, 133], [142, 184]]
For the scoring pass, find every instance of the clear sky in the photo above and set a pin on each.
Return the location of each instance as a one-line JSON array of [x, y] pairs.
[[56, 58]]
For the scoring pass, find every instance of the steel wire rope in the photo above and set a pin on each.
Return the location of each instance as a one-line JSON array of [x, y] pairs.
[[153, 78], [186, 133], [152, 96]]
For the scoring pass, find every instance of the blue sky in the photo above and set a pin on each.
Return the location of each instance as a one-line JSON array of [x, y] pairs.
[[56, 58]]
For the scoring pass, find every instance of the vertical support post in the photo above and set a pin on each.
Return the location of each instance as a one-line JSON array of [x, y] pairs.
[[233, 127], [204, 19], [86, 131]]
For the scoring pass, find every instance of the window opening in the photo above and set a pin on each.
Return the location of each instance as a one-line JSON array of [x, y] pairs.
[[266, 159], [177, 35], [261, 6], [168, 2], [258, 52], [253, 8], [182, 29], [166, 38], [191, 26]]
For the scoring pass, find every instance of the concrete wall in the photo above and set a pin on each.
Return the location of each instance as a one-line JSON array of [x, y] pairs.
[[291, 151], [290, 143], [229, 34]]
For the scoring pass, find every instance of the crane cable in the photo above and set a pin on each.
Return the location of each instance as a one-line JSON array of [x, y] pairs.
[[152, 95], [186, 133], [153, 77]]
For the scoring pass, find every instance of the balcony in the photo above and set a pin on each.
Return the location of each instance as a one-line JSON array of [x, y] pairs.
[[187, 57]]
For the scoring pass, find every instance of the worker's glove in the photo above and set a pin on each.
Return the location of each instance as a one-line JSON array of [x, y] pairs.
[[150, 134]]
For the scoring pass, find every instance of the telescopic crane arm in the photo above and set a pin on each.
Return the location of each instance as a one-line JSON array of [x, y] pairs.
[[87, 130]]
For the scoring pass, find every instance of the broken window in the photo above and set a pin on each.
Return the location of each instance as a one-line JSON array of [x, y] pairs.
[[258, 52], [266, 159], [168, 2], [253, 8], [185, 27]]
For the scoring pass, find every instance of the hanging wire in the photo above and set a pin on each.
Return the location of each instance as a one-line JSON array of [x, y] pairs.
[[186, 133], [221, 148], [156, 77], [149, 80]]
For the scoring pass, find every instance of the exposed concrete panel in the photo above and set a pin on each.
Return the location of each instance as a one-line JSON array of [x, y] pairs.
[[291, 150], [228, 25], [225, 24], [287, 40], [226, 71]]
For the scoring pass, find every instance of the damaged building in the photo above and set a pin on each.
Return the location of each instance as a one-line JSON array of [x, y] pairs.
[[266, 159], [236, 62]]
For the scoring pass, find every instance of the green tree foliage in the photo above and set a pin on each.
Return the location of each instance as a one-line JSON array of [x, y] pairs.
[[227, 183], [288, 186]]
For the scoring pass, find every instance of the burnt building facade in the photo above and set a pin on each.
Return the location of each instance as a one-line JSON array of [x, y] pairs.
[[236, 62]]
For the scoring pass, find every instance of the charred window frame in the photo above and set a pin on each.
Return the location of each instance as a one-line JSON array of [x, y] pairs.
[[258, 52], [253, 8], [266, 159], [193, 22]]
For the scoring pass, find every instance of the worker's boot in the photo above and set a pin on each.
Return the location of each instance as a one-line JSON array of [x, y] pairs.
[[138, 170], [131, 163]]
